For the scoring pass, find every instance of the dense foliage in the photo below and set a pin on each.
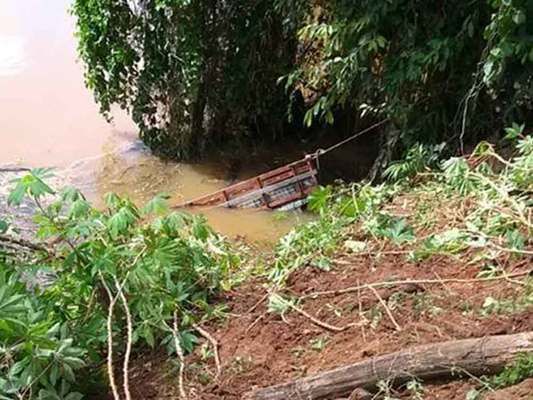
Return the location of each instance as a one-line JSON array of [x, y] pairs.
[[132, 270], [497, 193], [440, 71], [194, 73], [189, 72]]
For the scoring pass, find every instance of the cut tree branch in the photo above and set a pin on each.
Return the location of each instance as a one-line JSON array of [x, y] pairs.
[[214, 343], [181, 357], [358, 288], [23, 243], [129, 324], [485, 355], [110, 372]]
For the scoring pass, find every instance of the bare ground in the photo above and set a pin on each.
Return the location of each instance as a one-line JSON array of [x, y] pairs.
[[258, 348]]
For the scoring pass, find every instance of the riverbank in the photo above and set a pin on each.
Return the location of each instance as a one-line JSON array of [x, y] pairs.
[[443, 255], [439, 252], [126, 167]]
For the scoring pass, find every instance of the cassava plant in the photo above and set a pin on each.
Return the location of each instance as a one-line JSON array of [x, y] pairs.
[[501, 222], [133, 270]]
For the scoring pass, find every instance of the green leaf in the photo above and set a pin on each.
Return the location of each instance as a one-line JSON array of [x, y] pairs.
[[54, 374], [31, 184], [18, 367], [278, 305], [308, 118], [323, 263], [74, 362], [329, 117], [473, 394], [514, 132], [4, 226], [318, 199], [515, 239], [68, 373], [158, 205], [120, 221], [17, 195], [519, 17], [149, 335], [48, 394], [79, 208], [71, 194]]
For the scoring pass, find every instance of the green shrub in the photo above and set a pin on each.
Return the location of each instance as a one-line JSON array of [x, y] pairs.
[[147, 263]]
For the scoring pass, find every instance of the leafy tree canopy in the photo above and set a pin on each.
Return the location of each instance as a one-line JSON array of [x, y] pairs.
[[194, 73], [437, 69], [190, 72]]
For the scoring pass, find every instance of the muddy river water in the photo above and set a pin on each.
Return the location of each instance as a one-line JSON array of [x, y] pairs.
[[48, 118]]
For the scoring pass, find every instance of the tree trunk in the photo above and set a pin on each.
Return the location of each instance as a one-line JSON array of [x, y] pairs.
[[198, 113], [388, 142], [475, 356]]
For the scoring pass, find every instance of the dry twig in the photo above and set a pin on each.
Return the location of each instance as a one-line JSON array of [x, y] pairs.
[[262, 299], [387, 309], [413, 281], [255, 322], [181, 357], [214, 343], [318, 322]]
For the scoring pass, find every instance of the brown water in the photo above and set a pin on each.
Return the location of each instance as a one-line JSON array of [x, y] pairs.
[[48, 118]]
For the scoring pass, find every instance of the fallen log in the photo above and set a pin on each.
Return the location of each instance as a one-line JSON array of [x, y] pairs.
[[431, 361]]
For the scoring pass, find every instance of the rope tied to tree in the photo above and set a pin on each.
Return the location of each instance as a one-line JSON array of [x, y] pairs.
[[320, 152]]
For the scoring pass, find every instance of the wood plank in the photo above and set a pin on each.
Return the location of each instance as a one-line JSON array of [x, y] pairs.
[[268, 189], [288, 199], [260, 186]]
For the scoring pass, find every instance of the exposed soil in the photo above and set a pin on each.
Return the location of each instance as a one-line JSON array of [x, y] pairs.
[[258, 348]]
